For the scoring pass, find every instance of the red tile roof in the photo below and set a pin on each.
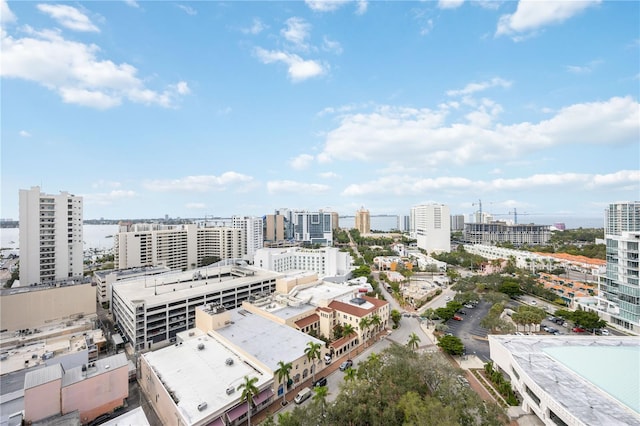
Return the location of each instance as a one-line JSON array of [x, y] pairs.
[[307, 320]]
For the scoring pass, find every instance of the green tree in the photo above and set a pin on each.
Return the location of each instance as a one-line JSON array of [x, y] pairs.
[[249, 390], [347, 331], [375, 322], [349, 374], [451, 345], [312, 351], [414, 341], [320, 398], [364, 326], [510, 288], [396, 316], [283, 373]]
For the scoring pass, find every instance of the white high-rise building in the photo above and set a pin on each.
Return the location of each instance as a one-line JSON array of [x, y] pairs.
[[51, 246], [253, 229], [619, 290], [431, 227], [325, 261]]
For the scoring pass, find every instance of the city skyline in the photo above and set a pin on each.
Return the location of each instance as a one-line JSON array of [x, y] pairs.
[[193, 109]]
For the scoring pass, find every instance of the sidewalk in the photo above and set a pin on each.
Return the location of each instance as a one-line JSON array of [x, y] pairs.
[[276, 405]]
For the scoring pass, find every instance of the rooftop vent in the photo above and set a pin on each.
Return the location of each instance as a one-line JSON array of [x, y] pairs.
[[229, 361], [202, 406], [200, 346], [230, 390]]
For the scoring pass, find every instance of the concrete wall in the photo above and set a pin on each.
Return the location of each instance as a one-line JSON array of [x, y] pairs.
[[97, 395], [42, 401], [35, 308]]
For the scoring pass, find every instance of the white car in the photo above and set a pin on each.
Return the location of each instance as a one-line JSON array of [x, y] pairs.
[[533, 302], [447, 298], [605, 332]]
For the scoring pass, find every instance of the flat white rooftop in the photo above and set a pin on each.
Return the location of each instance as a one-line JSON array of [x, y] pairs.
[[196, 375], [264, 339], [596, 378], [165, 288]]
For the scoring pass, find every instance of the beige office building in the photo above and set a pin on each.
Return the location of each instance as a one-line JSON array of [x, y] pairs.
[[33, 307], [363, 221], [175, 246]]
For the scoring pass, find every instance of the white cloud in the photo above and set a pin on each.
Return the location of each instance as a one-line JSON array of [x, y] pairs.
[[6, 15], [299, 69], [105, 184], [296, 32], [256, 27], [329, 175], [69, 17], [583, 69], [361, 7], [450, 4], [411, 137], [24, 134], [107, 198], [289, 186], [531, 15], [201, 183], [329, 45], [403, 185], [196, 206], [301, 162], [73, 70], [478, 87], [188, 10], [132, 3], [326, 5]]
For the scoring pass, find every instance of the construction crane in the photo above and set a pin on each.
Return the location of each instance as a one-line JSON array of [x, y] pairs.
[[513, 212]]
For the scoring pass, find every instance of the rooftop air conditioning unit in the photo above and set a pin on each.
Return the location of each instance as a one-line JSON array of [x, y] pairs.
[[200, 346], [230, 390], [202, 406], [229, 361]]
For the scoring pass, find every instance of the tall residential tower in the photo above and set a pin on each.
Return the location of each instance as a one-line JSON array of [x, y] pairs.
[[619, 289], [51, 246], [431, 227], [363, 221]]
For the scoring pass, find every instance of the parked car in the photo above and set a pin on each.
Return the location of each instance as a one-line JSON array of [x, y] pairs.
[[348, 363], [303, 395], [604, 332], [447, 298], [578, 330], [468, 306], [457, 318], [462, 312], [327, 359], [322, 381]]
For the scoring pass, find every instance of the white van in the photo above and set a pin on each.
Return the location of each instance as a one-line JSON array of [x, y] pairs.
[[303, 395]]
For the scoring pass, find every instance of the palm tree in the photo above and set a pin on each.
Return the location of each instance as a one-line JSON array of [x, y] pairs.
[[284, 368], [348, 330], [320, 397], [364, 325], [376, 322], [413, 342], [349, 374], [249, 390], [312, 351]]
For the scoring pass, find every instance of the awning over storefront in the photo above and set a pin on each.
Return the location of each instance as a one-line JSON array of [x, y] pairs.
[[263, 396], [241, 409]]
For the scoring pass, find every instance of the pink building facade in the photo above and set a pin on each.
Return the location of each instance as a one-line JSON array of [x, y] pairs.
[[94, 389]]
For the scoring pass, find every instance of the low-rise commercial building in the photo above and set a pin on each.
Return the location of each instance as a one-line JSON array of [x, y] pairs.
[[35, 306], [573, 380], [93, 389]]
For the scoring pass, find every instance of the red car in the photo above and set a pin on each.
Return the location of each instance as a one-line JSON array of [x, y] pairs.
[[578, 330], [457, 318]]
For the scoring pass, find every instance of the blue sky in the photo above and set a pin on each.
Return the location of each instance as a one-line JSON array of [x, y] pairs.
[[221, 108]]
